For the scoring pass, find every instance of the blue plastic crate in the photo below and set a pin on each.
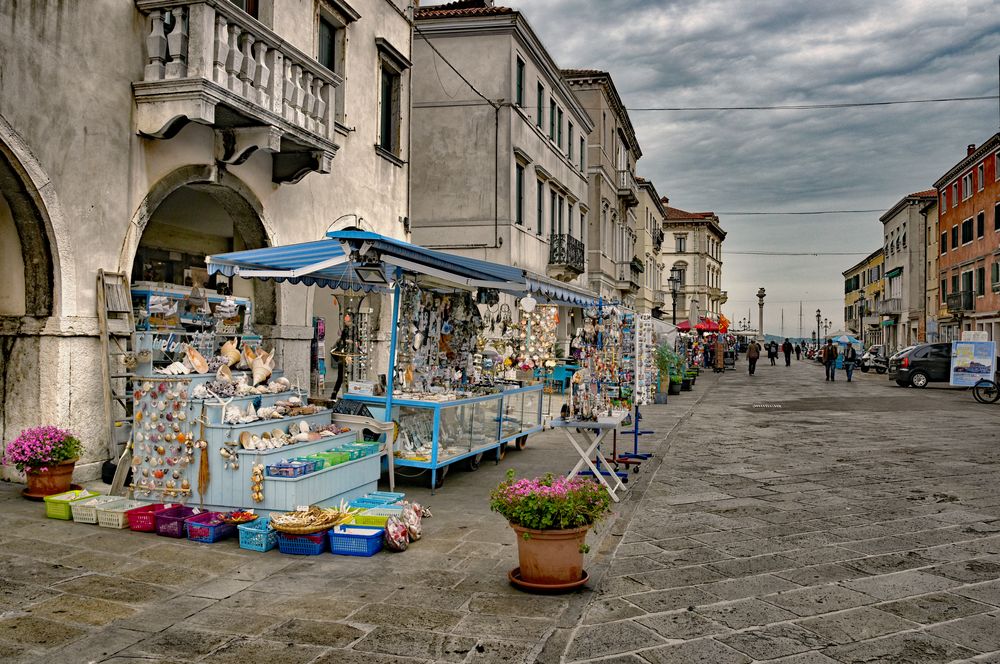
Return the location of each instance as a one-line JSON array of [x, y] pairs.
[[303, 545], [366, 503], [258, 535], [388, 496], [355, 543]]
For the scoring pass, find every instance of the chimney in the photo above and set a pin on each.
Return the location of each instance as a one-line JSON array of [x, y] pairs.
[[970, 149], [665, 200]]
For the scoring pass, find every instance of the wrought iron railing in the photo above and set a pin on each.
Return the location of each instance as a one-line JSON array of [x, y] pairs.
[[961, 301], [566, 250]]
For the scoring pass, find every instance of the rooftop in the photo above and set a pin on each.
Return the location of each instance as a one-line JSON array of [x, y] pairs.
[[677, 213], [460, 8]]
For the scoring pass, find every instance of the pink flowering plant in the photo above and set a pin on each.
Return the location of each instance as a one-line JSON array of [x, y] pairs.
[[38, 448], [550, 502]]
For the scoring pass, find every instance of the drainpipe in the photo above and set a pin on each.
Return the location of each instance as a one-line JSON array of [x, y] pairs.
[[923, 263]]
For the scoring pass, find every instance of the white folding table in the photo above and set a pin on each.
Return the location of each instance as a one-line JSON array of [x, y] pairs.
[[592, 434]]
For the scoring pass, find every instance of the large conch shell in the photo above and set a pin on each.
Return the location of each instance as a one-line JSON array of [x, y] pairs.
[[262, 367], [195, 360], [230, 352], [224, 375], [246, 360], [175, 369]]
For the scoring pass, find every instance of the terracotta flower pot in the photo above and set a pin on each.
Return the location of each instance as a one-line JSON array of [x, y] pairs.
[[57, 479], [550, 557]]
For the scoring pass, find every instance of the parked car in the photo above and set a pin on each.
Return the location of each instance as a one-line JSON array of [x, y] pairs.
[[921, 364], [875, 351]]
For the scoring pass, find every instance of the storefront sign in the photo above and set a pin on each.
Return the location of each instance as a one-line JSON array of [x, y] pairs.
[[971, 361]]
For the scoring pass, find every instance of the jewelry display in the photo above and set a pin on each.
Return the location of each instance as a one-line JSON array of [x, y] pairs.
[[162, 440]]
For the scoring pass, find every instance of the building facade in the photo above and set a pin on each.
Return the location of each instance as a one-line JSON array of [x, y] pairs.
[[969, 243], [863, 294], [201, 127], [904, 229], [692, 250], [932, 298], [614, 269], [652, 295]]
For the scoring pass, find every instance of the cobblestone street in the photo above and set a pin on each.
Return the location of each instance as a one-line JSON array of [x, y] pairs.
[[784, 519]]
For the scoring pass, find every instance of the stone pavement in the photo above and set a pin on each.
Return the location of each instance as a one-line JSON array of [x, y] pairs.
[[79, 593], [797, 521]]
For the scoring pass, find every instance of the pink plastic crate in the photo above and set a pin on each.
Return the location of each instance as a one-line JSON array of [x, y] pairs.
[[170, 522]]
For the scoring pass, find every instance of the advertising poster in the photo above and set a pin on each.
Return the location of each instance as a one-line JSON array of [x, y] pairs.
[[971, 361]]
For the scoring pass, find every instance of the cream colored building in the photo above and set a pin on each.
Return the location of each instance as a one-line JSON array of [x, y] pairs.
[[652, 295], [614, 269], [166, 130], [692, 249]]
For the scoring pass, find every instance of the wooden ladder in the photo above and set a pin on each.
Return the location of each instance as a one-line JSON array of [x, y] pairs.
[[114, 314]]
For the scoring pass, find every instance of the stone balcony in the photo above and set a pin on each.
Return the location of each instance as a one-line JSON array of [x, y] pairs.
[[211, 63], [628, 276], [566, 257], [628, 188], [890, 307]]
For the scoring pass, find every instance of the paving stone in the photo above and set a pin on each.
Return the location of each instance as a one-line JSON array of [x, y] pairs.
[[748, 586], [17, 595], [313, 606], [676, 578], [856, 625], [517, 605], [636, 549], [934, 608], [262, 651], [812, 657], [745, 613], [35, 632], [671, 600], [682, 625], [178, 642], [611, 639], [900, 584], [112, 588], [95, 647], [220, 588], [632, 565], [608, 610], [420, 644], [687, 557], [980, 632], [228, 621], [908, 648], [493, 651], [820, 555], [77, 609], [819, 599], [773, 641], [695, 652], [172, 576], [405, 617], [163, 614], [338, 656], [316, 632], [889, 562], [815, 575], [749, 566], [968, 571], [511, 628], [880, 545]]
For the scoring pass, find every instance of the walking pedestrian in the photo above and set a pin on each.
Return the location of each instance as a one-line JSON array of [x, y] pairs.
[[753, 354], [850, 359], [786, 348], [798, 352], [829, 357], [772, 352]]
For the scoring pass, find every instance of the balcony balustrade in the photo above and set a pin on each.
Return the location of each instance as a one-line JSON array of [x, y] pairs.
[[890, 307], [961, 302], [211, 63], [628, 188], [566, 257]]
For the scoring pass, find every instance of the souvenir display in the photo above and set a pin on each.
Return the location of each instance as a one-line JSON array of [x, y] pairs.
[[606, 378], [537, 338], [646, 372], [163, 441]]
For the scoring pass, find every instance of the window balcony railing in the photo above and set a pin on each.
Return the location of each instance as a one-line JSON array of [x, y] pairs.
[[961, 302], [209, 62], [890, 307], [628, 276], [566, 253], [628, 188]]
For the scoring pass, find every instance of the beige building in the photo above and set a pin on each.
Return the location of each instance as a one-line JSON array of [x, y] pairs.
[[198, 127], [692, 251], [614, 269], [652, 295]]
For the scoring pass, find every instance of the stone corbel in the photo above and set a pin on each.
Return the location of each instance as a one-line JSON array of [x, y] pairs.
[[291, 167], [235, 146]]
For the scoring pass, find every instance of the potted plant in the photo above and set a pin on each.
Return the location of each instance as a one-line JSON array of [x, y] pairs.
[[551, 516], [675, 384], [46, 455], [664, 358]]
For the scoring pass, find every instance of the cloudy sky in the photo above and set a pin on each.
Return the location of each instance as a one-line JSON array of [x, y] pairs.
[[738, 53]]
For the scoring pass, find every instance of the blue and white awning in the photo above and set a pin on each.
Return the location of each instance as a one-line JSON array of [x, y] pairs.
[[558, 292]]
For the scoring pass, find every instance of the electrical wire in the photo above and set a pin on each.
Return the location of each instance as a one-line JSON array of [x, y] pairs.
[[796, 253], [808, 107], [807, 212]]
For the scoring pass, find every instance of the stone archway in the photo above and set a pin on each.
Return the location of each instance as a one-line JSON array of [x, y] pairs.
[[212, 191]]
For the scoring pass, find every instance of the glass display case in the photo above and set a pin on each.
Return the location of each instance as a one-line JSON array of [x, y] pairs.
[[434, 434]]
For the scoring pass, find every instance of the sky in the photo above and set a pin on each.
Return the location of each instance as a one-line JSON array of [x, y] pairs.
[[737, 53]]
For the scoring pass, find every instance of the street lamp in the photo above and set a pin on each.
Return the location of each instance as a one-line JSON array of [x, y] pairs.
[[819, 320], [760, 310], [674, 282], [826, 326]]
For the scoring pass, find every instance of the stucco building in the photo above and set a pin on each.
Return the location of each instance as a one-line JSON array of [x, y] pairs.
[[652, 293], [904, 229], [969, 243], [692, 250], [614, 270], [863, 294], [196, 127]]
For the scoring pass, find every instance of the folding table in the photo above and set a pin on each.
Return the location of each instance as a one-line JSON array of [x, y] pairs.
[[592, 434]]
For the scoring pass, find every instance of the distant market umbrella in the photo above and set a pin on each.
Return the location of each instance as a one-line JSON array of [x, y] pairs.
[[847, 339]]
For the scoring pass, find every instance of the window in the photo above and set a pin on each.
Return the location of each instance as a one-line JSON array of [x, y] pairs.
[[327, 54], [540, 204], [995, 275], [967, 231], [954, 237], [540, 106], [996, 217], [559, 129], [966, 186], [519, 194], [904, 240], [981, 176], [331, 44], [569, 141], [944, 242], [562, 204], [954, 194], [583, 225], [552, 118], [980, 281], [944, 289], [519, 83], [583, 153], [680, 244], [569, 219], [392, 64], [248, 6], [944, 200], [954, 283], [553, 202], [981, 224]]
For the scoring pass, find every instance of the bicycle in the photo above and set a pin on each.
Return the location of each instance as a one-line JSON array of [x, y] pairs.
[[986, 391]]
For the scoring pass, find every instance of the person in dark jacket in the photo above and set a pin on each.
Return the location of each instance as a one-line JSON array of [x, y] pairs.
[[772, 352], [798, 352], [850, 360], [786, 348], [753, 354], [829, 357]]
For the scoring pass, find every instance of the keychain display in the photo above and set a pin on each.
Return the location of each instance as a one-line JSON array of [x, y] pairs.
[[163, 441]]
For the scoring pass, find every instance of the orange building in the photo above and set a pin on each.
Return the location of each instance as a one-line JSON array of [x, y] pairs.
[[969, 243]]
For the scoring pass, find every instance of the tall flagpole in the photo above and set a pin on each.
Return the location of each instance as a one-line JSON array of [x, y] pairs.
[[800, 319]]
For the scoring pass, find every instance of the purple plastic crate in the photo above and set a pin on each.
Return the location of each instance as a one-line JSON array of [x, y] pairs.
[[170, 522]]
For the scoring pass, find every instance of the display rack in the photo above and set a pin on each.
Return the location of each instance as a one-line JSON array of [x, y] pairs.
[[144, 291]]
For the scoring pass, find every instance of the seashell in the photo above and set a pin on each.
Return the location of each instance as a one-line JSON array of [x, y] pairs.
[[303, 427], [185, 484], [300, 437], [195, 360], [313, 436], [224, 375], [230, 352], [158, 474], [225, 453], [262, 366], [174, 369], [247, 357]]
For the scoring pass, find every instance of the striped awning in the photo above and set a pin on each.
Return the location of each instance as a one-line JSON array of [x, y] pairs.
[[558, 292]]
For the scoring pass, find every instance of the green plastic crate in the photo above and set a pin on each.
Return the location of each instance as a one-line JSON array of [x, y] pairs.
[[59, 506]]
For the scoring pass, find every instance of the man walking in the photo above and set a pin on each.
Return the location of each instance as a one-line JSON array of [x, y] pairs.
[[772, 352], [798, 352], [786, 348], [753, 354], [829, 357], [850, 359]]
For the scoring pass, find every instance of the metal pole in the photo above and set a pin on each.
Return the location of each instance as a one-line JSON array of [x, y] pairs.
[[390, 378]]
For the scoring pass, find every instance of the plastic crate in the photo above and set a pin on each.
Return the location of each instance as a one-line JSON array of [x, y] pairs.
[[333, 458], [377, 516], [286, 470], [303, 545], [59, 505], [170, 522], [389, 496], [258, 535], [313, 463], [115, 514], [143, 519], [366, 503], [208, 527], [353, 540], [85, 511]]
